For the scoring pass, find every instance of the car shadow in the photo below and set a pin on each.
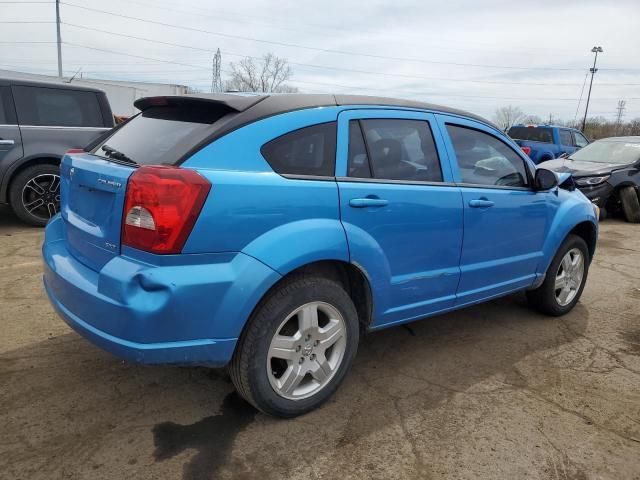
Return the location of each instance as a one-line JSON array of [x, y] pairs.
[[69, 407]]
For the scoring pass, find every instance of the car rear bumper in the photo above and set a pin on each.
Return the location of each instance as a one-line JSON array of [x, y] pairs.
[[189, 309]]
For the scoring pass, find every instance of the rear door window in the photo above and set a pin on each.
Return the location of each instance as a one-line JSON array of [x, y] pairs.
[[485, 160], [308, 151], [396, 149], [3, 116], [57, 107], [161, 135], [532, 134], [565, 138]]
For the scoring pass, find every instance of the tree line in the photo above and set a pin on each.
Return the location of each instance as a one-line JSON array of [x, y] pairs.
[[595, 127]]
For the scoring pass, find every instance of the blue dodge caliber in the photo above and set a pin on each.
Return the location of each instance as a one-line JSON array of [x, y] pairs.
[[266, 233]]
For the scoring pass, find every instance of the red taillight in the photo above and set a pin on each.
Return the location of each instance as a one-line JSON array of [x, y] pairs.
[[74, 150], [526, 150], [161, 207]]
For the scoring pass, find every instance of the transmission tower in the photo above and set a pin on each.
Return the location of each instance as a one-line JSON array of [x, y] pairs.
[[216, 78], [621, 106]]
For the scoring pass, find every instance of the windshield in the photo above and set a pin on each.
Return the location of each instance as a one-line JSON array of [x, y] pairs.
[[603, 151], [159, 135]]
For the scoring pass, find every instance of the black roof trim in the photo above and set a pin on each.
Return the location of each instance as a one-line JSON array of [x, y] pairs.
[[246, 109], [9, 81], [232, 103]]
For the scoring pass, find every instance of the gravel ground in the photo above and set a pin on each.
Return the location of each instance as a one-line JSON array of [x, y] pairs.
[[493, 391]]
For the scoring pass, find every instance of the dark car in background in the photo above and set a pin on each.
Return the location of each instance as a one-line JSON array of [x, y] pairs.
[[39, 122], [608, 172], [546, 142]]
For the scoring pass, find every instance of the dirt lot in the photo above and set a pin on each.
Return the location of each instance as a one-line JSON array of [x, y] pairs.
[[494, 391]]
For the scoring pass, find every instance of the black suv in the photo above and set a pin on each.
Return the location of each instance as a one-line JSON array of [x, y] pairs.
[[38, 123]]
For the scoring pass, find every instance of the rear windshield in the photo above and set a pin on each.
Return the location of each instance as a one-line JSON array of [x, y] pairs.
[[532, 134], [160, 135]]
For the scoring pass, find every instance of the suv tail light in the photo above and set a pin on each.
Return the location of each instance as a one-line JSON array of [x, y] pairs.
[[161, 207], [526, 150]]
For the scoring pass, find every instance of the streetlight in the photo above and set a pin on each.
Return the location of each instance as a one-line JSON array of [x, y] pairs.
[[593, 70]]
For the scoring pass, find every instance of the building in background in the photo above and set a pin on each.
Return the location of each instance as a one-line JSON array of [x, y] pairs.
[[121, 93]]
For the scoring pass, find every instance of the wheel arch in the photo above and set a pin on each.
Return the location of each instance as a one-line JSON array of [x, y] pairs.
[[574, 217], [353, 279], [589, 233], [14, 170]]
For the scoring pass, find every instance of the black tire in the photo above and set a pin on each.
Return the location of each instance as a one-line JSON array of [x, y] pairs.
[[38, 218], [630, 204], [544, 298], [248, 367]]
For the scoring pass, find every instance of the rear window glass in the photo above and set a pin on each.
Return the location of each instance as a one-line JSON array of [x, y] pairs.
[[57, 107], [161, 135], [308, 151], [3, 117], [533, 134]]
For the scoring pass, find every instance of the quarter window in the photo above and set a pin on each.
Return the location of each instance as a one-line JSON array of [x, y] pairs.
[[565, 137], [57, 107], [485, 160], [396, 149], [308, 151]]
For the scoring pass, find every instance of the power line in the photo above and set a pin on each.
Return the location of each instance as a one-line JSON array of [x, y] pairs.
[[317, 49], [332, 84], [367, 72]]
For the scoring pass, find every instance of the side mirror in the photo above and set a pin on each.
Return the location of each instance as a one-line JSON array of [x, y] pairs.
[[564, 155], [545, 179]]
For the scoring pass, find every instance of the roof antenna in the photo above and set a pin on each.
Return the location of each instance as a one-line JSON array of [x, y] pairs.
[[74, 75]]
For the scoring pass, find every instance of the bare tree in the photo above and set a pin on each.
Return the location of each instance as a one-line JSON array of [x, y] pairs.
[[506, 117], [532, 120], [267, 74]]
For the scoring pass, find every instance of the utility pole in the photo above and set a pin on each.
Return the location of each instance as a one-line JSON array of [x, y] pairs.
[[621, 106], [216, 67], [59, 39], [593, 70]]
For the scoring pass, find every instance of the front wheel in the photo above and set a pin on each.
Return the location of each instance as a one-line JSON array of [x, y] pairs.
[[297, 347], [565, 279], [630, 204]]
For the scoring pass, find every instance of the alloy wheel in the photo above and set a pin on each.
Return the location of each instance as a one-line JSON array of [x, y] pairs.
[[41, 196], [569, 277], [306, 350]]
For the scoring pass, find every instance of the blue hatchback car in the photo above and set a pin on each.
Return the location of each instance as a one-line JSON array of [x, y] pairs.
[[266, 233]]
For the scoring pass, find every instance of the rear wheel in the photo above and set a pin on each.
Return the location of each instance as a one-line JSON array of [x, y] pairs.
[[630, 204], [565, 279], [35, 194], [297, 348]]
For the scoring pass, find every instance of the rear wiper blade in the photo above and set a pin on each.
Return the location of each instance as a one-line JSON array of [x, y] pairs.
[[117, 155]]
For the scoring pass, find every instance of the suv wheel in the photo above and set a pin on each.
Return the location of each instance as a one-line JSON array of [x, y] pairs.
[[35, 194], [630, 204], [565, 279], [297, 348]]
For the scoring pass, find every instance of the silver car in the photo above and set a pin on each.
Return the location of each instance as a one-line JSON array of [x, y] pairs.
[[38, 123]]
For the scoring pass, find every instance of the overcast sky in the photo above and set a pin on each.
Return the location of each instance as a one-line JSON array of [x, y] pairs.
[[475, 55]]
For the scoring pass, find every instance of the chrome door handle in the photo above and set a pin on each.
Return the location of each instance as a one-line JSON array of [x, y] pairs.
[[7, 142], [368, 202], [481, 203]]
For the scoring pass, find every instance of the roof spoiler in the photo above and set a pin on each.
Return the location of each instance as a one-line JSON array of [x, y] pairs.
[[229, 102]]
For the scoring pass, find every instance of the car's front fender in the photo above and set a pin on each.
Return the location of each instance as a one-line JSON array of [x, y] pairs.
[[572, 209]]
